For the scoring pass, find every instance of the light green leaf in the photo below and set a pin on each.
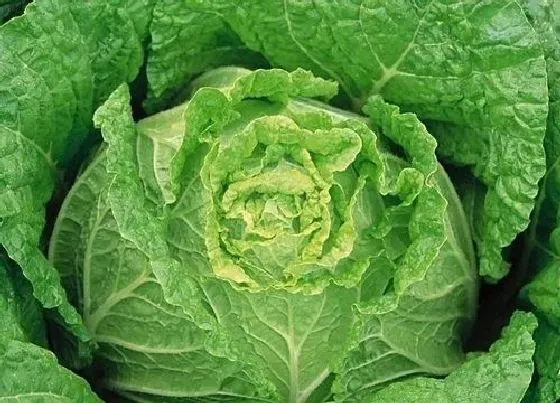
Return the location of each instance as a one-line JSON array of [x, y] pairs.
[[228, 241], [120, 298], [501, 375], [397, 336], [58, 61], [416, 182], [140, 222], [459, 65], [283, 334]]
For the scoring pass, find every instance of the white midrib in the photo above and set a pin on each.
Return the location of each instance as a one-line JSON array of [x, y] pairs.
[[387, 72], [86, 276], [97, 316], [393, 70], [44, 395], [293, 359], [295, 394], [141, 348], [305, 393]]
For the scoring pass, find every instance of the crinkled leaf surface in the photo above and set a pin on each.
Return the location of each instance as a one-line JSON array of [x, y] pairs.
[[542, 242], [167, 244], [32, 374], [474, 70], [27, 371], [124, 277], [187, 42], [395, 340], [501, 375], [546, 386], [540, 247], [20, 314], [58, 61]]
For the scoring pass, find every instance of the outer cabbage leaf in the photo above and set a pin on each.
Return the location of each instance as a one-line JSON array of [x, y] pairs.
[[540, 242], [27, 371], [59, 60], [543, 294], [185, 43], [542, 247], [501, 375], [392, 341], [20, 313], [32, 374], [546, 383], [168, 242], [474, 70], [40, 103]]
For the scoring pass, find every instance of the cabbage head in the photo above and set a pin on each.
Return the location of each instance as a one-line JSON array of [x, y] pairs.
[[256, 244]]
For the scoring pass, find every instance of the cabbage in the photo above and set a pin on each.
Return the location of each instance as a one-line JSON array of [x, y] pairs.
[[256, 243]]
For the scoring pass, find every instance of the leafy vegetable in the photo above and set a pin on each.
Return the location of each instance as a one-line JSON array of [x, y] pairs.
[[20, 359], [501, 375], [474, 70], [542, 247], [21, 317], [191, 210], [278, 214], [22, 362], [56, 67]]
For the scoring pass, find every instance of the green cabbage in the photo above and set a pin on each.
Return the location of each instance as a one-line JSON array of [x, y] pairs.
[[237, 237], [255, 243]]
